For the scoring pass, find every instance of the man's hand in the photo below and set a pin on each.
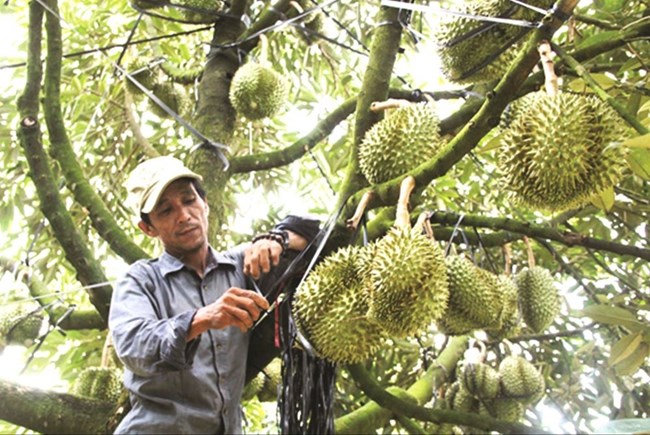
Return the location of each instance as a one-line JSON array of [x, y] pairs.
[[261, 256], [237, 307]]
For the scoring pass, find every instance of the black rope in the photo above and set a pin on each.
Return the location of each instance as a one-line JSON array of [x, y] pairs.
[[320, 169], [128, 40], [491, 261]]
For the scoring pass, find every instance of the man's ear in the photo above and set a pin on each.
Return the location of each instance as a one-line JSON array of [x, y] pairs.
[[147, 229]]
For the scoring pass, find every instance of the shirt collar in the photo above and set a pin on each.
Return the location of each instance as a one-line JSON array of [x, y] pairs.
[[169, 263]]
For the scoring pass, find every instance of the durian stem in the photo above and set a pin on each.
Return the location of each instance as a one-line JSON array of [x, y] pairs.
[[550, 83], [402, 215], [353, 222], [391, 103], [529, 250], [507, 256], [297, 6], [423, 223], [264, 49], [106, 350]]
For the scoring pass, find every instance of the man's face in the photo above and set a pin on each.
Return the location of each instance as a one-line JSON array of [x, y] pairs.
[[179, 219]]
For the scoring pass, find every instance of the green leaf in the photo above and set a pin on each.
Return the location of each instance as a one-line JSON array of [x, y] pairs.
[[624, 347], [639, 161], [638, 142], [631, 364], [604, 199], [612, 316], [599, 38]]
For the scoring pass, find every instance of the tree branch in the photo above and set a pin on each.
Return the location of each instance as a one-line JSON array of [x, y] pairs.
[[52, 413], [62, 151]]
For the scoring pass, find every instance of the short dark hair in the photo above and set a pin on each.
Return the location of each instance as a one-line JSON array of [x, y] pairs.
[[197, 186]]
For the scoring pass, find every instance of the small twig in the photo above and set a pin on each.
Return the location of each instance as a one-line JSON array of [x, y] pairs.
[[353, 222], [391, 103]]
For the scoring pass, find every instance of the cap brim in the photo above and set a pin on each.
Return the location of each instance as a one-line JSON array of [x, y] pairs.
[[158, 189]]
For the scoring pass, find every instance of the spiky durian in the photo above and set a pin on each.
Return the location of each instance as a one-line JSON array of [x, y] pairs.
[[502, 409], [172, 95], [467, 47], [330, 307], [407, 137], [508, 319], [257, 91], [20, 324], [139, 69], [520, 379], [558, 151], [480, 380], [408, 278], [459, 399], [201, 11], [474, 293], [272, 379], [253, 387], [538, 297], [101, 383]]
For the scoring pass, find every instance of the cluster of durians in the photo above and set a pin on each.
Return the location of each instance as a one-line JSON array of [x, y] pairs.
[[502, 393]]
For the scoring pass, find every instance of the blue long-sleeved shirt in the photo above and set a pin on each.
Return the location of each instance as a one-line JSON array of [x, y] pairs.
[[175, 386]]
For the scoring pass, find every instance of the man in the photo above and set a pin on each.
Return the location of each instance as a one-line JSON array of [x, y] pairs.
[[180, 322]]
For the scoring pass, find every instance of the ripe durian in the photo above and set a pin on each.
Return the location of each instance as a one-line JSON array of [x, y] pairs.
[[520, 379], [101, 383], [201, 11], [173, 95], [20, 324], [480, 380], [538, 297], [331, 304], [407, 137], [465, 45], [257, 91], [408, 289], [558, 151]]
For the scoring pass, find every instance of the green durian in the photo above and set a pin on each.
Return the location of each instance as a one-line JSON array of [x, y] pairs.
[[558, 151], [520, 379], [173, 95], [20, 324], [330, 307], [407, 137], [101, 383], [201, 11], [409, 288], [459, 399], [503, 409], [480, 380], [464, 59], [272, 375], [139, 69], [253, 387], [538, 297], [508, 319], [257, 91]]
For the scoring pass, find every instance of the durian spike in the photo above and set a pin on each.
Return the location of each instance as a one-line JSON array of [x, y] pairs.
[[391, 103], [402, 215], [507, 256], [545, 54], [353, 222], [529, 250]]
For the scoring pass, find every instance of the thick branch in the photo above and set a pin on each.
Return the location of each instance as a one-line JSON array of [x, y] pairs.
[[543, 232], [62, 151], [372, 416], [52, 413]]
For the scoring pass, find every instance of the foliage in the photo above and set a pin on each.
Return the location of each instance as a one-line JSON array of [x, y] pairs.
[[593, 357]]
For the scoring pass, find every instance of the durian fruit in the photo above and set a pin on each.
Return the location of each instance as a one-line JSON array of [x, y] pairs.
[[475, 297], [201, 11], [101, 383], [407, 137], [173, 95], [20, 324], [508, 324], [139, 69], [480, 380], [466, 45], [272, 375], [538, 297], [520, 379], [558, 151], [331, 304], [257, 91], [312, 26], [457, 398], [253, 387], [502, 409], [408, 289]]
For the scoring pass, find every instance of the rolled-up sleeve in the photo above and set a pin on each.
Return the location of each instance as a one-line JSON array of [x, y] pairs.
[[147, 343]]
